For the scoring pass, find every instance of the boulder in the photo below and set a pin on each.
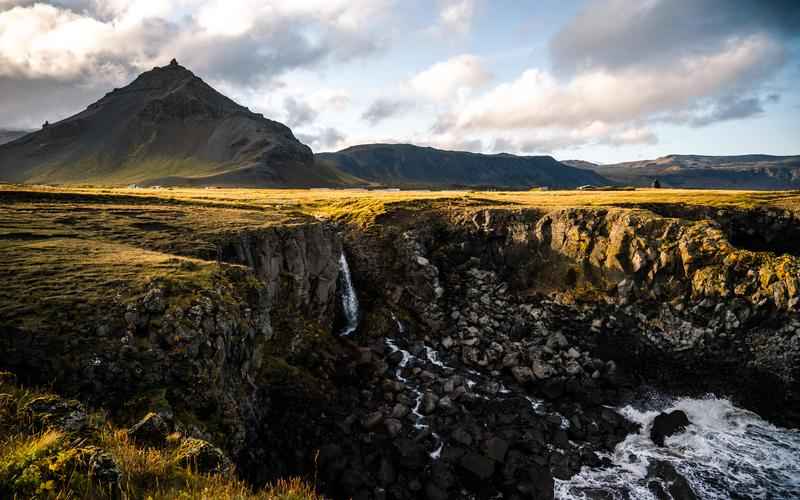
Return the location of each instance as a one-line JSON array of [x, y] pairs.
[[478, 465], [667, 424], [151, 430], [496, 449], [541, 370], [665, 477], [400, 410], [372, 420], [522, 374], [429, 402], [53, 411], [461, 436], [393, 426], [410, 454], [202, 456]]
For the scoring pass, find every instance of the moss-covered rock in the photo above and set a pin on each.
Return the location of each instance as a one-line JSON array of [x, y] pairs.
[[49, 411], [47, 465], [201, 456]]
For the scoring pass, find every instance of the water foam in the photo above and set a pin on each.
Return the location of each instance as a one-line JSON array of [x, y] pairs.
[[725, 452]]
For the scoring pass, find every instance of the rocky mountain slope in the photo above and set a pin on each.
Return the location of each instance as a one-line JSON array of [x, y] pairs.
[[493, 338], [406, 165], [695, 171], [167, 127]]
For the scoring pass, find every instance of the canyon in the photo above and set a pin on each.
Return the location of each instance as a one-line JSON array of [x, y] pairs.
[[406, 345]]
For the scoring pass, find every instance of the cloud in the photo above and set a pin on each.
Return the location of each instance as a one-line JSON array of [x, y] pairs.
[[537, 99], [503, 145], [619, 34], [335, 99], [298, 113], [442, 80], [383, 108], [730, 108], [548, 141], [456, 16], [100, 44], [324, 139]]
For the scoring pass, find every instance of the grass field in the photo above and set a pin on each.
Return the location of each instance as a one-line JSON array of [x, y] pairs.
[[332, 202], [68, 249]]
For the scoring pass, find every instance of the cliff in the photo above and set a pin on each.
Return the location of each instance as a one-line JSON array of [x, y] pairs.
[[495, 335]]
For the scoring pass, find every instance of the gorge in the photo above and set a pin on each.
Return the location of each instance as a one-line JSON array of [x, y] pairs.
[[422, 346]]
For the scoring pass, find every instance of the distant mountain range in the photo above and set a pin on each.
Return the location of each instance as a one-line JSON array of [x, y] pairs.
[[695, 171], [405, 165], [168, 127]]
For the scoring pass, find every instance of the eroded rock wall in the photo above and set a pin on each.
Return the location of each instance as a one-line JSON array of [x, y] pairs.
[[203, 355], [692, 311]]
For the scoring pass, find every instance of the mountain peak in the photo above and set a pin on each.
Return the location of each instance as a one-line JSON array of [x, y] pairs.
[[166, 126], [164, 76]]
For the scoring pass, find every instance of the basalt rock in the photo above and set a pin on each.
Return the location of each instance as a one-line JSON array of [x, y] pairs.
[[218, 358], [668, 483], [151, 430], [668, 424], [48, 411]]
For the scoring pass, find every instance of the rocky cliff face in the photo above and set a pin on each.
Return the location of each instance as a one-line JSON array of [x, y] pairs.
[[298, 265], [693, 299], [498, 338], [492, 344], [205, 358]]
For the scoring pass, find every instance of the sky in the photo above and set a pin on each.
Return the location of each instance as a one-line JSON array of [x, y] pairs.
[[597, 80]]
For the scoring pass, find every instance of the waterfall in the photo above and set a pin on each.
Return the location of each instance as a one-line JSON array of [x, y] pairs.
[[349, 299]]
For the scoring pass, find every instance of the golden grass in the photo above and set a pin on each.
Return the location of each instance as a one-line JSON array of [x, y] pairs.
[[51, 464], [53, 280], [66, 248], [30, 465], [322, 201]]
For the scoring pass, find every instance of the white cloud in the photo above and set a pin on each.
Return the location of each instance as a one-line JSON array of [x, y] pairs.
[[456, 15], [44, 41], [445, 79], [539, 100], [95, 45], [550, 140], [333, 99]]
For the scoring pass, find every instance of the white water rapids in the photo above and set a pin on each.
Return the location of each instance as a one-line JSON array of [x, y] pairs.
[[349, 298], [419, 418], [726, 452]]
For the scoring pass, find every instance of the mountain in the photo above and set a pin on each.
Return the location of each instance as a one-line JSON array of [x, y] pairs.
[[406, 165], [167, 127], [695, 171], [10, 135]]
